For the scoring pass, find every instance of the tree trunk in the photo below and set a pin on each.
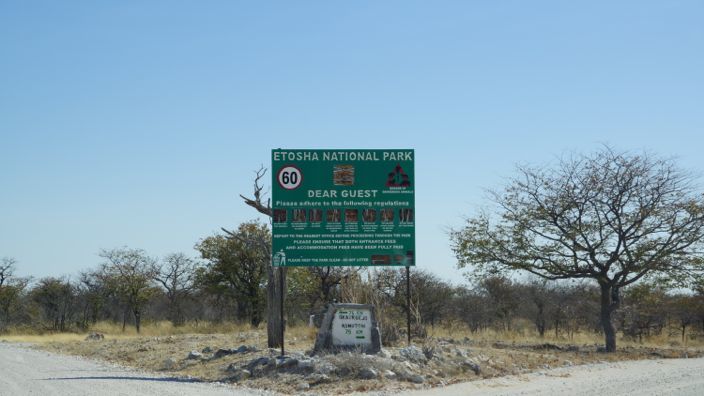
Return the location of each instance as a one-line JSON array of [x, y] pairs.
[[557, 329], [137, 320], [175, 314], [609, 303], [255, 317], [274, 324], [540, 320]]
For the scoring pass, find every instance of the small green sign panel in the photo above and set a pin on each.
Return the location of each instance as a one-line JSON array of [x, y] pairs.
[[343, 207]]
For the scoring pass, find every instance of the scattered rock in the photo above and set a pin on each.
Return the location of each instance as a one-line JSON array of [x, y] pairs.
[[193, 355], [302, 386], [411, 366], [326, 368], [428, 351], [306, 365], [569, 363], [245, 349], [169, 364], [286, 362], [240, 375], [207, 350], [317, 378], [367, 373], [413, 354], [225, 352], [416, 378], [388, 374], [95, 337], [470, 365], [384, 354], [259, 362]]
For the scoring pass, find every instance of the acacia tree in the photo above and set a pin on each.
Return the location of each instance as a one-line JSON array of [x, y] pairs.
[[94, 295], [610, 216], [538, 292], [11, 291], [176, 274], [57, 299], [129, 273], [501, 294]]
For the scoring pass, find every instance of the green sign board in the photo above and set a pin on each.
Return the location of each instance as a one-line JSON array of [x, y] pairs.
[[343, 207]]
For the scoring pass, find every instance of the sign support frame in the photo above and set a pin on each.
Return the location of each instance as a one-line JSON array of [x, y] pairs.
[[370, 187], [283, 324], [408, 303]]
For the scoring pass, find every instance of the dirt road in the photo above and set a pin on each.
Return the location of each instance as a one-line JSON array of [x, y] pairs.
[[642, 377], [25, 371]]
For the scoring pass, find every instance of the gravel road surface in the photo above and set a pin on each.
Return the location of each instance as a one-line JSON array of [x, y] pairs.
[[642, 377], [25, 371]]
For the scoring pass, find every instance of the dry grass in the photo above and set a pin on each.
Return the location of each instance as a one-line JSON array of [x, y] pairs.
[[525, 334], [166, 328], [44, 338]]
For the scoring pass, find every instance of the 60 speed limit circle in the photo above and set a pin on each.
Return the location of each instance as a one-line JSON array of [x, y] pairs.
[[289, 177]]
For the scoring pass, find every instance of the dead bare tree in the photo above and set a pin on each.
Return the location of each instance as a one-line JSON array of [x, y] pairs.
[[257, 203], [276, 278], [7, 268]]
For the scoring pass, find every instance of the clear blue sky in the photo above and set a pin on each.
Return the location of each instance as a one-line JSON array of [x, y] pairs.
[[138, 123]]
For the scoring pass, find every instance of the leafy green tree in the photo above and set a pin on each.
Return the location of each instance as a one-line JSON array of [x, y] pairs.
[[611, 217], [57, 300], [502, 296], [239, 262], [644, 309], [687, 309]]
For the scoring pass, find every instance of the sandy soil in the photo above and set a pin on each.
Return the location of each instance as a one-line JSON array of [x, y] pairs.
[[27, 371], [644, 377], [450, 362]]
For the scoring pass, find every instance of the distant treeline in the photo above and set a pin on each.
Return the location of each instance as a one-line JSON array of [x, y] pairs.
[[227, 283]]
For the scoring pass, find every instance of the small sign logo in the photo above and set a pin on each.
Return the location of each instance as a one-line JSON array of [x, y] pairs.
[[279, 259], [398, 178]]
